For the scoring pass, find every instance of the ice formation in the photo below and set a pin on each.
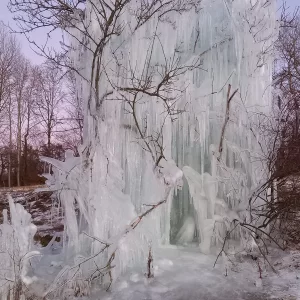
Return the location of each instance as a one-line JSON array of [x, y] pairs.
[[187, 232], [16, 242], [156, 98]]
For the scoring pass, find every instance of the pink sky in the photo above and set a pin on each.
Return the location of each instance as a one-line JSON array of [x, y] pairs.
[[40, 35]]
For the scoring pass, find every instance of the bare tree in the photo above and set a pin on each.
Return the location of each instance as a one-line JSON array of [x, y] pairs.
[[10, 110], [49, 98], [70, 131], [285, 157], [21, 77], [9, 56], [31, 94]]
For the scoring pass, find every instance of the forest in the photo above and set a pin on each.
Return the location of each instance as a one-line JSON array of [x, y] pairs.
[[40, 114]]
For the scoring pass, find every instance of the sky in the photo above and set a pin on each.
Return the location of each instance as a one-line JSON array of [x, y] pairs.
[[27, 49], [40, 35]]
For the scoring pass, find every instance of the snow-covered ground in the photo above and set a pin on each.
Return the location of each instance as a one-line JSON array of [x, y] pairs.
[[180, 273], [186, 274]]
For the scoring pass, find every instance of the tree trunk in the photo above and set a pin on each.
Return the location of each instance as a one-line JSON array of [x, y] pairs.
[[19, 143], [10, 143], [49, 141], [2, 167], [25, 155], [25, 159]]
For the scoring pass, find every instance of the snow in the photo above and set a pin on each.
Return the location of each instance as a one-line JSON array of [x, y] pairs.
[[186, 274]]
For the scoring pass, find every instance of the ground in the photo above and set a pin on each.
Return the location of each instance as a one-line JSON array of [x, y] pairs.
[[179, 273], [188, 275]]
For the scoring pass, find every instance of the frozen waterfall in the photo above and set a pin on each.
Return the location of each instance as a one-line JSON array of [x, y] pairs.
[[172, 106]]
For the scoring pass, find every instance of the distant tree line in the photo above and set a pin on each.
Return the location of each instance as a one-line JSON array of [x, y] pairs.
[[40, 114]]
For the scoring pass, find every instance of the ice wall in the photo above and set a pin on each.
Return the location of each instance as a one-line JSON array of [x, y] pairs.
[[119, 177]]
